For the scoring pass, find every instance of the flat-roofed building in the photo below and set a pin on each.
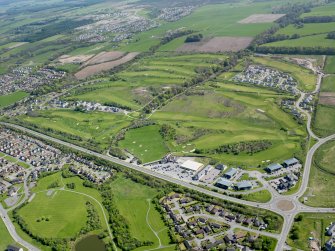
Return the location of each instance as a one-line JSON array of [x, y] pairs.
[[223, 183], [191, 165], [273, 167], [290, 162]]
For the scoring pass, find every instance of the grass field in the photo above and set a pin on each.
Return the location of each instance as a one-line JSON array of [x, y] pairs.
[[132, 200], [322, 178], [325, 10], [262, 196], [6, 239], [324, 120], [64, 219], [328, 84], [10, 99], [330, 65], [309, 41], [306, 79], [308, 29], [136, 84], [231, 116], [210, 20], [98, 127], [146, 143], [311, 225]]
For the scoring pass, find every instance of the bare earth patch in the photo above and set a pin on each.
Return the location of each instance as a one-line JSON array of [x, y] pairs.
[[217, 44], [261, 18], [104, 56], [94, 69], [17, 45], [285, 205], [327, 98], [66, 59]]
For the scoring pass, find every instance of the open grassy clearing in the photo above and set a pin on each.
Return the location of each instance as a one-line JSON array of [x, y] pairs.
[[132, 200], [325, 10], [231, 116], [310, 41], [262, 196], [210, 20], [64, 220], [306, 79], [6, 239], [328, 84], [146, 143], [308, 29], [330, 65], [320, 188], [97, 127], [10, 99], [311, 225], [324, 120]]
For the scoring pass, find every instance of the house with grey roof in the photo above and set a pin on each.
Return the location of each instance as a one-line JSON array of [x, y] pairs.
[[290, 162], [230, 173], [273, 167]]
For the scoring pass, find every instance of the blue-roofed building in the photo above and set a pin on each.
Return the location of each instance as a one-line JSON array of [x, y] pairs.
[[273, 167], [230, 174], [243, 185], [223, 183], [290, 162]]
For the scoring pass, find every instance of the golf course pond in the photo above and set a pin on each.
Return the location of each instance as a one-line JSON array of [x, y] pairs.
[[89, 243]]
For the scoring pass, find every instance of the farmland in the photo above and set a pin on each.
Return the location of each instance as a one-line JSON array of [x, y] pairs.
[[146, 143], [308, 29], [211, 21], [309, 41], [10, 99], [322, 178], [325, 10], [310, 225]]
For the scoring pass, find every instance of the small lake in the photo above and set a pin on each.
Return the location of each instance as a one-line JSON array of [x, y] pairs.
[[90, 243]]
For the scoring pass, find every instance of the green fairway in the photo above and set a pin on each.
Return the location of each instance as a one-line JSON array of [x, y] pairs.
[[330, 65], [232, 115], [146, 143], [132, 201], [311, 225], [306, 79], [328, 84], [324, 120], [10, 99], [97, 127], [322, 178], [6, 239]]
